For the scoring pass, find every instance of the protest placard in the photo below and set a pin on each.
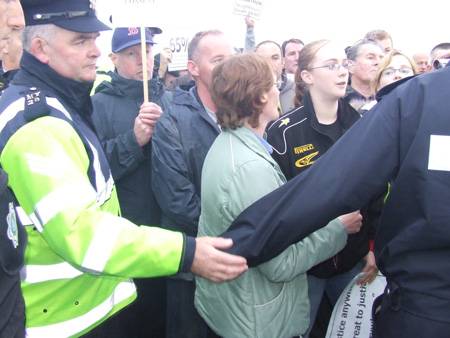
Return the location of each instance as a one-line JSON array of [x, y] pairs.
[[251, 8], [137, 13], [352, 314]]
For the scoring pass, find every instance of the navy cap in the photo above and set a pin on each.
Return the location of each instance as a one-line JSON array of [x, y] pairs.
[[127, 37], [73, 15]]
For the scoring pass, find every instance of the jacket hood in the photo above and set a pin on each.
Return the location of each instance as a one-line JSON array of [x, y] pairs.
[[122, 87]]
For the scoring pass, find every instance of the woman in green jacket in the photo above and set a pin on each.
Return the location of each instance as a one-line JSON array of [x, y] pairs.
[[270, 300]]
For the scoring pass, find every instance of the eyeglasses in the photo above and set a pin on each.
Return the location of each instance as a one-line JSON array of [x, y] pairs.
[[334, 66], [405, 71]]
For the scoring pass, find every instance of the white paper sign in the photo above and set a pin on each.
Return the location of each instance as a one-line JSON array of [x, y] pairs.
[[251, 8], [352, 314], [439, 157], [136, 13], [178, 44]]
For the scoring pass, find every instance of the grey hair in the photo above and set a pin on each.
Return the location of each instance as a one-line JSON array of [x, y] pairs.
[[353, 51], [45, 32]]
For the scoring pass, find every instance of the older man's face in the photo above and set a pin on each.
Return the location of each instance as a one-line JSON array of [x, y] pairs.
[[11, 18]]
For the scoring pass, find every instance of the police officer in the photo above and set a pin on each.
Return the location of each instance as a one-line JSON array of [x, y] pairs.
[[12, 247], [404, 139], [12, 235], [80, 253]]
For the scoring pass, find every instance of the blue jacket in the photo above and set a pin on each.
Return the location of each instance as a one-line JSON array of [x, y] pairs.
[[181, 141], [116, 106], [404, 139]]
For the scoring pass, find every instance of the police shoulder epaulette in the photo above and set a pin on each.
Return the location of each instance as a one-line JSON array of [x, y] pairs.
[[35, 104]]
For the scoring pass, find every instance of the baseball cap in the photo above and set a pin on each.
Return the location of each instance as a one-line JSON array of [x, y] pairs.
[[131, 36]]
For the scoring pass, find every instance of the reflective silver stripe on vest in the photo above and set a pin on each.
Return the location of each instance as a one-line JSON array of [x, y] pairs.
[[23, 217], [73, 326], [107, 232], [75, 194], [104, 188], [11, 111], [53, 102], [44, 273]]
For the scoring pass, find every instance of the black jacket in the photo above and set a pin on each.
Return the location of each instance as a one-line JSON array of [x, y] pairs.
[[404, 139], [116, 105], [181, 141], [6, 78], [298, 140], [12, 247]]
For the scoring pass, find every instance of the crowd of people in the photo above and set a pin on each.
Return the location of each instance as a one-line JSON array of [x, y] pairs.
[[239, 200]]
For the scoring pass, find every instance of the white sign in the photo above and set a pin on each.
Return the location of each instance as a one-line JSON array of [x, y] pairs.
[[179, 47], [136, 13], [352, 314], [251, 8]]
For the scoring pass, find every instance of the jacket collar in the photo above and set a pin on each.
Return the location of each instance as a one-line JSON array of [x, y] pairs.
[[346, 114], [191, 99], [121, 86], [251, 141], [75, 95]]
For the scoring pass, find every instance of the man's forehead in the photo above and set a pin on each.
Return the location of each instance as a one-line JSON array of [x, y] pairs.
[[370, 48], [442, 53], [268, 50], [294, 45], [214, 44]]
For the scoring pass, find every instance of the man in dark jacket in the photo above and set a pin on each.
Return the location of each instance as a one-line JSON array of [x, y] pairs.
[[405, 139], [12, 235], [181, 141], [125, 124]]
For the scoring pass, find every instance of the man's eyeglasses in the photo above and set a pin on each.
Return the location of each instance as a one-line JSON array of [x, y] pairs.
[[334, 66], [405, 71]]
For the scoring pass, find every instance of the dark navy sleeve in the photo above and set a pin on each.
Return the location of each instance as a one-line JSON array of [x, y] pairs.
[[344, 179]]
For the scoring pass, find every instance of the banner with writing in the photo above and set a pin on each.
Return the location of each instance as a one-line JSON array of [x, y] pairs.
[[251, 8], [352, 314]]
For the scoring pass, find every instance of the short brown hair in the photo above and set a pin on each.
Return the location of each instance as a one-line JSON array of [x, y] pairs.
[[238, 85], [378, 35]]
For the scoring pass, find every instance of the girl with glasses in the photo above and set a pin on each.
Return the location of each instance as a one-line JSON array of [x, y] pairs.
[[302, 136], [394, 67]]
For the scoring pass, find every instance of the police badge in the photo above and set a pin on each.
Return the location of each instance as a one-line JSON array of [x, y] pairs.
[[12, 231]]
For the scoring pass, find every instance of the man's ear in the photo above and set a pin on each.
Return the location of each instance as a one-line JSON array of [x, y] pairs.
[[193, 68], [40, 50], [351, 67], [113, 57]]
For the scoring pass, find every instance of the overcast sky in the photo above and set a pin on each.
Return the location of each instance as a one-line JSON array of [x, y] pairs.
[[414, 25]]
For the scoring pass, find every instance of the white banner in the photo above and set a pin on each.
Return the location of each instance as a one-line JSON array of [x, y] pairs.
[[251, 8], [352, 314], [135, 13]]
